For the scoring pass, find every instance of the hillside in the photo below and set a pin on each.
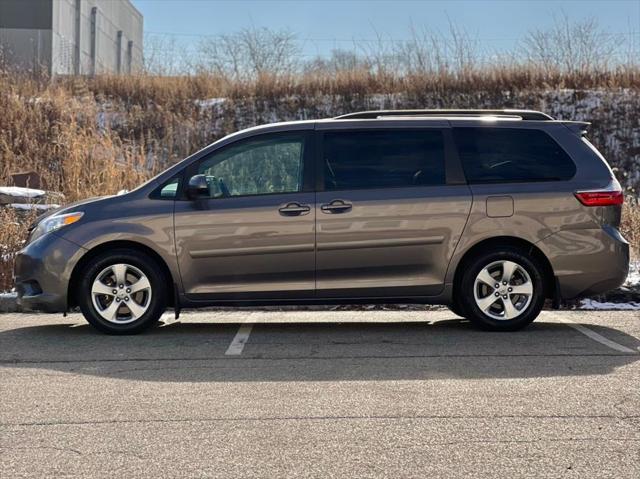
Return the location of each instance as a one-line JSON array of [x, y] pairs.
[[97, 136]]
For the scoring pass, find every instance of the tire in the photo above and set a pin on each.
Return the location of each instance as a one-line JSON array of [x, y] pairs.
[[476, 294], [132, 304], [456, 309]]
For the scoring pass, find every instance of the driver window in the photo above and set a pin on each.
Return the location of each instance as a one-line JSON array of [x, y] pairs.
[[256, 167]]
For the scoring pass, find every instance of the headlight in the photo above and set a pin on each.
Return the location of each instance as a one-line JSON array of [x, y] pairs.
[[55, 222]]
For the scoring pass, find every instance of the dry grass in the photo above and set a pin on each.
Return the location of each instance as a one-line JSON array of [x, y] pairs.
[[630, 227], [56, 134], [12, 236], [175, 91]]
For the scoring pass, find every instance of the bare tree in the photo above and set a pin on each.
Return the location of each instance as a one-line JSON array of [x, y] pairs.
[[338, 61], [463, 49], [250, 53], [164, 56], [571, 47], [380, 53], [425, 52]]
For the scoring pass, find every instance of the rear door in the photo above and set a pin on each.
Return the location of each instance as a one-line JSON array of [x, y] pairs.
[[253, 237], [390, 208]]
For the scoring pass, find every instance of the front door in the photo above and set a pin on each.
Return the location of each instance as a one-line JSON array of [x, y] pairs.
[[387, 220], [253, 236]]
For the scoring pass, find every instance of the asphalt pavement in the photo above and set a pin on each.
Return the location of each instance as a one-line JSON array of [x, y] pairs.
[[322, 394]]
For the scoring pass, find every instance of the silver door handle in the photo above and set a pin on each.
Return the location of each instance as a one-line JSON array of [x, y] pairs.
[[336, 206]]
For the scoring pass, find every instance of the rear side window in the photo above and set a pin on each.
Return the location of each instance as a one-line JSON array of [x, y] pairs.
[[383, 159], [496, 155]]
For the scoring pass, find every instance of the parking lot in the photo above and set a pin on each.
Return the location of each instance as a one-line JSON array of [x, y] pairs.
[[322, 394]]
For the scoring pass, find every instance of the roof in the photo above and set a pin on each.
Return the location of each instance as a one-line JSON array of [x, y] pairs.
[[444, 118]]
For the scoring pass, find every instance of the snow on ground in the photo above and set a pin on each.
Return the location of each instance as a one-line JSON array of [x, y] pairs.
[[21, 192], [31, 206], [592, 304], [210, 102], [634, 274]]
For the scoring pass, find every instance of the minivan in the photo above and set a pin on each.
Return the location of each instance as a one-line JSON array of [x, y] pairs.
[[490, 212]]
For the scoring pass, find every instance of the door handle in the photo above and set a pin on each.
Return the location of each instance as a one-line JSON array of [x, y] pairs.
[[294, 209], [336, 206]]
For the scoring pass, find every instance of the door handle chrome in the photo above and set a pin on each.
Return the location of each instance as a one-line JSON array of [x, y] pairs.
[[336, 206], [294, 209]]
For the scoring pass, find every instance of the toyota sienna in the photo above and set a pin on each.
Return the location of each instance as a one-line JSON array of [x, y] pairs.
[[490, 212]]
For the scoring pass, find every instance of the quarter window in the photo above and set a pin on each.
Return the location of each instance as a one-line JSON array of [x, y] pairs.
[[383, 159], [495, 155], [258, 166], [170, 189]]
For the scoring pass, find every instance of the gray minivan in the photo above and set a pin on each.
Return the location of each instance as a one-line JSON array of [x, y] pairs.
[[487, 211]]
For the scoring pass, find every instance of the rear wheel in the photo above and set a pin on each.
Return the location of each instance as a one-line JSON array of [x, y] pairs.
[[122, 292], [502, 290]]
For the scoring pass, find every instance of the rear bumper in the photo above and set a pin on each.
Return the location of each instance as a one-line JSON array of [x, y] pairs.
[[42, 273], [587, 261]]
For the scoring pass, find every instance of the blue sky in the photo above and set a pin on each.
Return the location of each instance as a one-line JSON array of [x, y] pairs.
[[323, 25]]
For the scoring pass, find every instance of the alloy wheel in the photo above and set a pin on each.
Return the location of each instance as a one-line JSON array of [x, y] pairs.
[[503, 290], [121, 293]]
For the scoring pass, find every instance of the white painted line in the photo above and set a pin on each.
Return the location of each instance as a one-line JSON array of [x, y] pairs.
[[595, 336], [240, 339]]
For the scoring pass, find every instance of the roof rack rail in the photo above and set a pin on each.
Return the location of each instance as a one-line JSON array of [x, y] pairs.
[[523, 114]]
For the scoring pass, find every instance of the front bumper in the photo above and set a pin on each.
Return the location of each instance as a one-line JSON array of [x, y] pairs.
[[42, 273]]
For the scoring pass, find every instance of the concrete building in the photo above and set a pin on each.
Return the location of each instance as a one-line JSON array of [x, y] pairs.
[[67, 37]]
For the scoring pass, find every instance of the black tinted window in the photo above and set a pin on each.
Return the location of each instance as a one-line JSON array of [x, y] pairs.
[[491, 155], [383, 159]]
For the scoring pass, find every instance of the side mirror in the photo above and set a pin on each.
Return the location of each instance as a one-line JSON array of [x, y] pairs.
[[197, 187]]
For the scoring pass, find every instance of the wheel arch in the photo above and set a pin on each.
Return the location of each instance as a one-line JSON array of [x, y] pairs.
[[520, 244], [110, 245]]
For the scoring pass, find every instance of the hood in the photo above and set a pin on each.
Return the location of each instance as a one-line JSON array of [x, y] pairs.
[[67, 208]]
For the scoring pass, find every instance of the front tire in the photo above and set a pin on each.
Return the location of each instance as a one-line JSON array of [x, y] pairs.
[[502, 290], [456, 309], [122, 292]]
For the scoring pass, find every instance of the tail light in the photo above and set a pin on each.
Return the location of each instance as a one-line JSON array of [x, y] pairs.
[[608, 197]]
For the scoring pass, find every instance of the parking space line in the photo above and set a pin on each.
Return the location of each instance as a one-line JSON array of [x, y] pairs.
[[240, 339], [595, 336]]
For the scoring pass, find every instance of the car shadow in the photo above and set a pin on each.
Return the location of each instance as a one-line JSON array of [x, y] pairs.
[[327, 351]]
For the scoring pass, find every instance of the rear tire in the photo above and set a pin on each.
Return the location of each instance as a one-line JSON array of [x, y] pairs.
[[122, 292], [502, 290]]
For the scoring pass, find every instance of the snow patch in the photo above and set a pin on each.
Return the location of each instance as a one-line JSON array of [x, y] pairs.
[[634, 274], [210, 102], [30, 206], [21, 192], [592, 304]]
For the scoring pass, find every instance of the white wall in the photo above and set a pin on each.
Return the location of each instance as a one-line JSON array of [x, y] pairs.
[[112, 16]]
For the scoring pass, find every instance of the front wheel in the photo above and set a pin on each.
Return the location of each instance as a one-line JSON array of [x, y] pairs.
[[456, 309], [122, 292], [502, 290]]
